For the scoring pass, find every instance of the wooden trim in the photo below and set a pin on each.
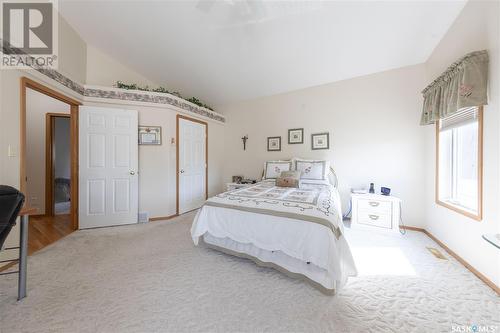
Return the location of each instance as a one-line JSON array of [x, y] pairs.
[[50, 160], [474, 271], [9, 265], [179, 116], [22, 138], [412, 228], [74, 104], [74, 166], [162, 218], [49, 165], [479, 215], [48, 91]]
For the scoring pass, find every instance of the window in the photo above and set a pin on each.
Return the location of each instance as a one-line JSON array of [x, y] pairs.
[[459, 162]]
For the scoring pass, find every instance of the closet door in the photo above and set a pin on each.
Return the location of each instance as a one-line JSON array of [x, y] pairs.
[[192, 167], [108, 164]]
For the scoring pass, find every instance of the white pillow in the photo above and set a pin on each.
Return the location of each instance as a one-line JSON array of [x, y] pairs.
[[312, 169], [272, 169]]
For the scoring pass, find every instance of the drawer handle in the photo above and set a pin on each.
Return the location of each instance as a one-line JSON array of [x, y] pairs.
[[373, 217], [374, 203]]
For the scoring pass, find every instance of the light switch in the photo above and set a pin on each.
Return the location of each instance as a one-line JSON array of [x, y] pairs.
[[11, 152]]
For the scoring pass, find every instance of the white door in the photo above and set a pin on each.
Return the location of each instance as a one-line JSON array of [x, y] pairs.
[[108, 164], [192, 165]]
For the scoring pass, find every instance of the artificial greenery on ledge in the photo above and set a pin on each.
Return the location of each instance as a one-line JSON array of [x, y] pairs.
[[133, 86]]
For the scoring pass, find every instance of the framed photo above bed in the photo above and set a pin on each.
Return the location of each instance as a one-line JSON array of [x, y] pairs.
[[295, 136], [320, 141], [149, 135], [274, 143]]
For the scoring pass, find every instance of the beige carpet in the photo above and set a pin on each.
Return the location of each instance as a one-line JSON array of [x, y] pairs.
[[150, 278]]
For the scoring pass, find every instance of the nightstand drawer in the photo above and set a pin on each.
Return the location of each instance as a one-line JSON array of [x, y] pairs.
[[375, 219], [375, 206]]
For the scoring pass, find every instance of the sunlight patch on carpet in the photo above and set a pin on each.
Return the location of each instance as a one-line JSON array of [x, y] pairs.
[[382, 261]]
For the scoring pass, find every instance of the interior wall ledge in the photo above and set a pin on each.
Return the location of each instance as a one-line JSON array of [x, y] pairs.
[[150, 97], [87, 92]]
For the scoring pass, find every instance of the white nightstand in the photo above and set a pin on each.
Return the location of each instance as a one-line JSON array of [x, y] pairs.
[[375, 210], [236, 186]]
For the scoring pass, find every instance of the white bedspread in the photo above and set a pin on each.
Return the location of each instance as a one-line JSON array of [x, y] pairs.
[[323, 246]]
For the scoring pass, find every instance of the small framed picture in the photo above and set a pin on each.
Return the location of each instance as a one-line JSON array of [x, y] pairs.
[[295, 136], [274, 143], [149, 135], [320, 141]]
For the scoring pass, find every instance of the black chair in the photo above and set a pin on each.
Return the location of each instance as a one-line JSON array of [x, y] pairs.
[[11, 202]]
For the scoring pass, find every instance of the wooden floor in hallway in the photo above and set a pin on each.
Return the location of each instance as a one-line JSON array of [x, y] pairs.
[[45, 230]]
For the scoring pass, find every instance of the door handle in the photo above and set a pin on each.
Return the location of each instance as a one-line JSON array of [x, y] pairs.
[[182, 171], [132, 172]]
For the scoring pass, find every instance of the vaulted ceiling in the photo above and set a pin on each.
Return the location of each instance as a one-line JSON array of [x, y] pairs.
[[225, 51]]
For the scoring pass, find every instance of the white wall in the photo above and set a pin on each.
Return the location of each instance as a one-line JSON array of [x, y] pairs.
[[476, 28], [37, 106], [72, 53], [157, 164], [374, 134], [62, 153], [103, 70], [9, 137]]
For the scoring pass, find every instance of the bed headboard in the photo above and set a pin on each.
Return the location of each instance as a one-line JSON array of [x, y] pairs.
[[332, 177]]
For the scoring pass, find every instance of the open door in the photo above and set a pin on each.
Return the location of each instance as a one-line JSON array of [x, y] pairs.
[[108, 167]]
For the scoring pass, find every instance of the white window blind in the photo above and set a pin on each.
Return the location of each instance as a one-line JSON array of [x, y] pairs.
[[462, 117]]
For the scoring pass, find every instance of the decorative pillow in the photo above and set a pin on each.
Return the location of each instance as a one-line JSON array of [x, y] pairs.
[[310, 169], [272, 169], [289, 179]]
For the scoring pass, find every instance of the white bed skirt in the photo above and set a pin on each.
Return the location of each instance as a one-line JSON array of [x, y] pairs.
[[285, 244], [275, 259]]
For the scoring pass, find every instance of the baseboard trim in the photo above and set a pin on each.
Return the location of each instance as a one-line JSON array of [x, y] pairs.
[[413, 228], [162, 218], [474, 271]]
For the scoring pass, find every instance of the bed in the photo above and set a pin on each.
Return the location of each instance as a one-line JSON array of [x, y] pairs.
[[297, 231]]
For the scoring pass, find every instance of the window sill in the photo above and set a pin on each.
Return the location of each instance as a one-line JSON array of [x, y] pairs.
[[461, 210]]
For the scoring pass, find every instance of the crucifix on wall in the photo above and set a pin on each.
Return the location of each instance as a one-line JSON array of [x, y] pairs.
[[245, 138]]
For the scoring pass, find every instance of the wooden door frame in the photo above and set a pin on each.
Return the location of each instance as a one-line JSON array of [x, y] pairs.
[[178, 118], [26, 83], [50, 119]]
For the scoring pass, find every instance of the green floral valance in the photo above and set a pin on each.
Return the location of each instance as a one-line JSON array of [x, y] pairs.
[[463, 84]]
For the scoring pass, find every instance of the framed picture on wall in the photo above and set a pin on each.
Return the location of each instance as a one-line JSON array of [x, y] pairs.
[[295, 136], [149, 135], [320, 141], [274, 143]]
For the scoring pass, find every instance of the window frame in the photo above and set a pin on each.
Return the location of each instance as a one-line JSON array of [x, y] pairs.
[[458, 209]]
